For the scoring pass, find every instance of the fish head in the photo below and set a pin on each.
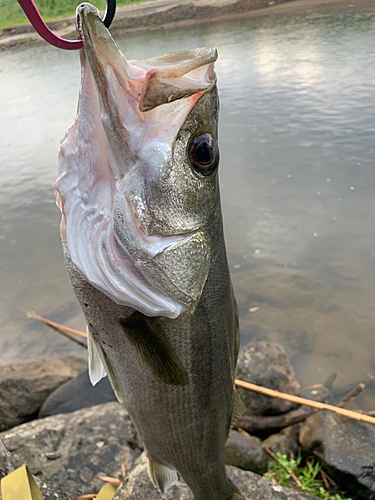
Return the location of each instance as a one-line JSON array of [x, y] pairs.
[[142, 160]]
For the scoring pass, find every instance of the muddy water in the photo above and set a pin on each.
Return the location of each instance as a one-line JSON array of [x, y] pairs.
[[297, 176]]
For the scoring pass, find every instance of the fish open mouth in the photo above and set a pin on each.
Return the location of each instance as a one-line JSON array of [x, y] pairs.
[[129, 114], [155, 81]]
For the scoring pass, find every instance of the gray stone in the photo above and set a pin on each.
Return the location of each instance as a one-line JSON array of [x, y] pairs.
[[253, 487], [246, 452], [52, 492], [69, 450], [76, 394], [7, 466], [285, 441], [6, 461], [24, 387], [346, 447], [266, 364]]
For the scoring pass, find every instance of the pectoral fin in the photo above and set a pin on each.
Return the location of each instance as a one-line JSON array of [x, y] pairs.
[[99, 366], [96, 367], [149, 340], [162, 477], [239, 408]]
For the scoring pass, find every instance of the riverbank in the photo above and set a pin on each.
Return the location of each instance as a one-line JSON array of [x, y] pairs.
[[167, 14], [70, 435]]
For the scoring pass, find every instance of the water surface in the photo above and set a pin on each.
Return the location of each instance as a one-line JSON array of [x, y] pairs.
[[297, 176]]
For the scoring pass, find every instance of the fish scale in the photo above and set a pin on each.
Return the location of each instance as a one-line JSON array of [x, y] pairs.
[[157, 297]]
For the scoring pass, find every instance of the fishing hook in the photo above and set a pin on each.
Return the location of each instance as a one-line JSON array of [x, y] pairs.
[[32, 13]]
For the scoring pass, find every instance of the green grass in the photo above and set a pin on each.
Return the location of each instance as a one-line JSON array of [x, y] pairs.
[[12, 15], [308, 473]]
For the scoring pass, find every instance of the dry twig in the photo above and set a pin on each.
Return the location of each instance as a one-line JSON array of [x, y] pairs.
[[63, 330], [246, 385], [289, 471], [325, 480], [255, 423], [33, 315], [306, 402], [313, 386], [251, 423], [369, 413], [107, 479], [352, 394], [243, 432], [125, 465]]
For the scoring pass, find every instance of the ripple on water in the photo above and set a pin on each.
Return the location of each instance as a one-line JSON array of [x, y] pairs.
[[297, 174]]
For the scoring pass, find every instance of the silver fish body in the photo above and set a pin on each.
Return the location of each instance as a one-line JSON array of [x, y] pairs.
[[144, 248]]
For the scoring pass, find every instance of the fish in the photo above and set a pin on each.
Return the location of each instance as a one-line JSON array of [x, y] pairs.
[[143, 242]]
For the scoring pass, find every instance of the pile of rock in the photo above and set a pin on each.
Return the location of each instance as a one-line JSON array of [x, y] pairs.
[[345, 447], [253, 487], [69, 449], [25, 386]]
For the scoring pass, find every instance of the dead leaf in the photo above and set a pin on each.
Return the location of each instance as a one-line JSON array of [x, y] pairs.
[[53, 456], [107, 479]]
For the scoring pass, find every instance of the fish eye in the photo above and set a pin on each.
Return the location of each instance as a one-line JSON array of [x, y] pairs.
[[203, 154]]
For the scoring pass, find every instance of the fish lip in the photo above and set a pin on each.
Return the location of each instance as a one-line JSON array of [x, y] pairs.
[[82, 22], [84, 8], [102, 53], [161, 84]]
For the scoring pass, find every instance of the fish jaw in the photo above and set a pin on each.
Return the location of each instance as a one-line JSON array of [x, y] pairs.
[[136, 219]]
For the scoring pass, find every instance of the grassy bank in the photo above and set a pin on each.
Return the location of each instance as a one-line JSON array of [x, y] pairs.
[[304, 475], [11, 14]]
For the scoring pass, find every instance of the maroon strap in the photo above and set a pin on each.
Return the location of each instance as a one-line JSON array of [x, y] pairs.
[[33, 15]]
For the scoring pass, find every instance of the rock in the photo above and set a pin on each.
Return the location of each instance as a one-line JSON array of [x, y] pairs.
[[24, 387], [245, 452], [253, 487], [52, 492], [346, 448], [69, 450], [6, 461], [76, 394], [7, 466], [285, 441], [266, 364]]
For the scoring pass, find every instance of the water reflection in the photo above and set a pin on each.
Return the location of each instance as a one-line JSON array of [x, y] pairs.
[[297, 175]]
